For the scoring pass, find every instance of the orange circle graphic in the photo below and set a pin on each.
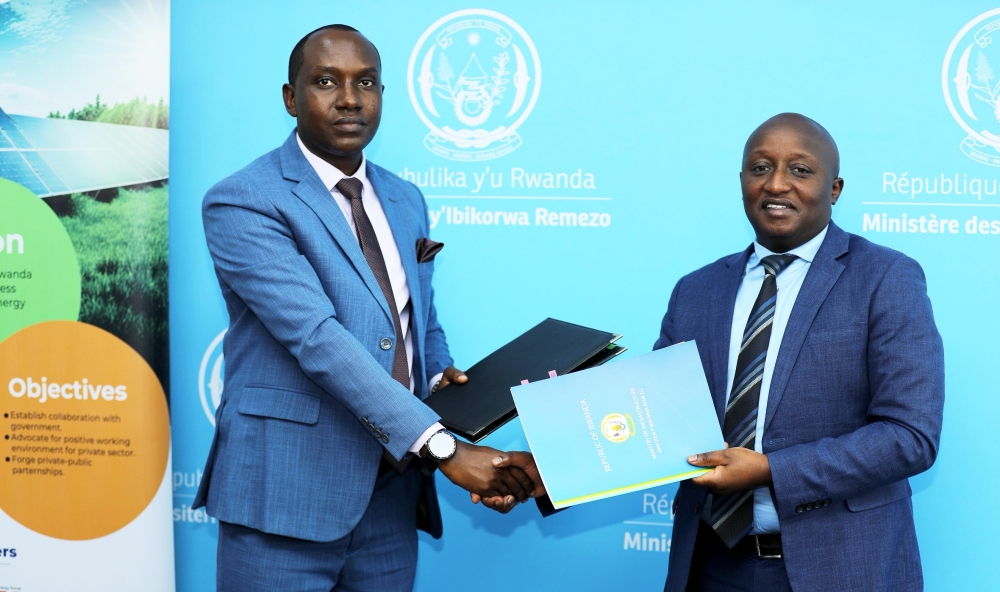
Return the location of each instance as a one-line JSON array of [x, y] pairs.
[[86, 431]]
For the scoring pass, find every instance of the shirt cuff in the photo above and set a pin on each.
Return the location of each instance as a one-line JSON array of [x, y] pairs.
[[433, 381], [424, 437]]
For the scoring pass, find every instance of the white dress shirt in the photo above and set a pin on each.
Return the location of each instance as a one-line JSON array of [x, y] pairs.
[[330, 176], [765, 517]]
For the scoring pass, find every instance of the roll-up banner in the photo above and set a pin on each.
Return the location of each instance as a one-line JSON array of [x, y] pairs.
[[84, 343]]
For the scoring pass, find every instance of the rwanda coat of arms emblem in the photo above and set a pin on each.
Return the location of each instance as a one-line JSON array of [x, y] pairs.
[[473, 78]]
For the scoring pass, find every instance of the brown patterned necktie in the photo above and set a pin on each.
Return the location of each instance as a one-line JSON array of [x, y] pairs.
[[351, 188]]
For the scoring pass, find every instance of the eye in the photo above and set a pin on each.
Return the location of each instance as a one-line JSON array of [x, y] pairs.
[[759, 167], [325, 82], [800, 170], [367, 83]]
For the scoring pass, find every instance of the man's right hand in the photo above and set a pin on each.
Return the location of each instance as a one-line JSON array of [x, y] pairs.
[[472, 468], [518, 463]]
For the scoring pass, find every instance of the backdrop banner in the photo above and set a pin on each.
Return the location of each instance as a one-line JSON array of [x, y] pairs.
[[578, 159], [84, 347]]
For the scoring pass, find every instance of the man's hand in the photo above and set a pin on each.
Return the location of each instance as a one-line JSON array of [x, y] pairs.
[[451, 374], [736, 469], [474, 470], [518, 463]]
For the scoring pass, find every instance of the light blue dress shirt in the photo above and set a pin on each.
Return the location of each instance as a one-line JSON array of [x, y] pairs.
[[765, 518]]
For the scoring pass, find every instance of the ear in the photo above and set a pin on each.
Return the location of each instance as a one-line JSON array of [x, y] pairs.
[[288, 95], [838, 186]]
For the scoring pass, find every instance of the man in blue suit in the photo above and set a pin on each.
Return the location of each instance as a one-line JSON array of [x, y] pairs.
[[827, 374], [320, 469]]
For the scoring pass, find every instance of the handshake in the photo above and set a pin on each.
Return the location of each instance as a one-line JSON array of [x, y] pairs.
[[500, 480]]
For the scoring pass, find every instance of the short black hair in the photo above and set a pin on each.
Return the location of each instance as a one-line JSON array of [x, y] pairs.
[[298, 52]]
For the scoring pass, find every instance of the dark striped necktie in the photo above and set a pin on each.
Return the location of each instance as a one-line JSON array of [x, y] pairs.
[[732, 515]]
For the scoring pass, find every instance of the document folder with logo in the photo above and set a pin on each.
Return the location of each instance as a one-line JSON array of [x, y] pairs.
[[475, 409], [620, 428]]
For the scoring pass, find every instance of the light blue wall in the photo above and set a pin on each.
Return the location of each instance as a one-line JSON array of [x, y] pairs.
[[655, 101]]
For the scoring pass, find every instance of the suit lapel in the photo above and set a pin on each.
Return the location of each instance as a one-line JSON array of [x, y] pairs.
[[309, 188], [720, 329], [820, 279], [404, 233]]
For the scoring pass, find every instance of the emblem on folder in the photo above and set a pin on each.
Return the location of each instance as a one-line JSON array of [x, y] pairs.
[[473, 78], [617, 427]]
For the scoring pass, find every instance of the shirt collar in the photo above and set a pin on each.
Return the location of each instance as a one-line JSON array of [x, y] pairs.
[[329, 174], [806, 252]]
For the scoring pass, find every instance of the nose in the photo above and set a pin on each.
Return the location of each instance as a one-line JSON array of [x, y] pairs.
[[348, 98], [778, 182]]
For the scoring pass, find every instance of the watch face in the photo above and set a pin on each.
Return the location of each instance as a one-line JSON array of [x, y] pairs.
[[441, 446]]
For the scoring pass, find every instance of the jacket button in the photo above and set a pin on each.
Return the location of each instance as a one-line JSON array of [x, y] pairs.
[[826, 502], [385, 344], [697, 509], [799, 509], [385, 439]]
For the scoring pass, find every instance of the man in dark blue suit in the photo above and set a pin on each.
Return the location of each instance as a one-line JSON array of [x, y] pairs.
[[320, 470], [827, 374]]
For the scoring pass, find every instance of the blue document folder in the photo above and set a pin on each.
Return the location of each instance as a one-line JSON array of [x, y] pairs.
[[622, 427]]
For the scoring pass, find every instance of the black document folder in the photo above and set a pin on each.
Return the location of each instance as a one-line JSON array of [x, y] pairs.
[[477, 408]]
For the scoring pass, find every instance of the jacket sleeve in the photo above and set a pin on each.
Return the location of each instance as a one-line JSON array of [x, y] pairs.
[[667, 326], [437, 356], [906, 382], [256, 256]]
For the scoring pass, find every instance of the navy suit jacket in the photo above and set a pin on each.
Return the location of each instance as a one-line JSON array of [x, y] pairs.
[[854, 409], [309, 402]]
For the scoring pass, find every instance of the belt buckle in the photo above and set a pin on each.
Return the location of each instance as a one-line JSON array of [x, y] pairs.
[[760, 554]]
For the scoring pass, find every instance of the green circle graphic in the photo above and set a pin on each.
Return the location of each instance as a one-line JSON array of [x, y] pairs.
[[39, 272]]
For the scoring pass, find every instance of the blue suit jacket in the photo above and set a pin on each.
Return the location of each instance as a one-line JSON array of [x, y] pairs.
[[854, 410], [291, 454]]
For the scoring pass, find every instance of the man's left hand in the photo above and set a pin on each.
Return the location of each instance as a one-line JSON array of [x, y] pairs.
[[736, 469], [451, 374]]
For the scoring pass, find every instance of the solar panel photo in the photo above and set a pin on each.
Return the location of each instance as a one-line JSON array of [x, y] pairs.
[[59, 156]]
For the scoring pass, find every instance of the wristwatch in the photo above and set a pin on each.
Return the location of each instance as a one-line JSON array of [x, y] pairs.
[[440, 446]]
